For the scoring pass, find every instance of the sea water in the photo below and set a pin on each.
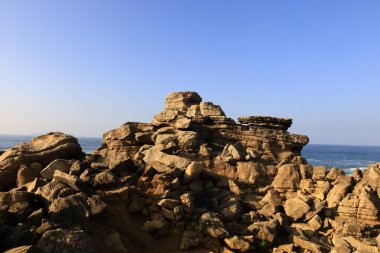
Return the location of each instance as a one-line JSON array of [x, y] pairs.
[[347, 157]]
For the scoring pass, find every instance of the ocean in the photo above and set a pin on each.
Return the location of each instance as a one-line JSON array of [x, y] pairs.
[[347, 157]]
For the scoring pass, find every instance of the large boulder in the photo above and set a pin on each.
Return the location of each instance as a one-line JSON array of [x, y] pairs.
[[287, 179], [341, 188], [42, 149], [363, 204], [172, 161], [296, 208]]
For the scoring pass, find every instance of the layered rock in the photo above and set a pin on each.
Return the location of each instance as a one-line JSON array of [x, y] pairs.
[[193, 179]]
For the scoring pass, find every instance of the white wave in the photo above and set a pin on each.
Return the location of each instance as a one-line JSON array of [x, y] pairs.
[[350, 170]]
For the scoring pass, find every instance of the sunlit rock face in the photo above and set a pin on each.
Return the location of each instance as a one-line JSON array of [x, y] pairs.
[[193, 179]]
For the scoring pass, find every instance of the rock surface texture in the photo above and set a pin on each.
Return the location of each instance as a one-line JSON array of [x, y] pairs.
[[191, 180]]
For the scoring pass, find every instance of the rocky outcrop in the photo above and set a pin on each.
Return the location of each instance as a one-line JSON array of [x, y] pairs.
[[191, 180], [266, 122], [43, 150]]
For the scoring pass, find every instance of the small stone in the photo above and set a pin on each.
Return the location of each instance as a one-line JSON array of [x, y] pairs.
[[315, 222], [236, 243], [192, 171], [25, 174], [211, 223], [169, 203], [205, 151], [179, 212], [104, 178], [168, 214], [153, 226], [70, 180]]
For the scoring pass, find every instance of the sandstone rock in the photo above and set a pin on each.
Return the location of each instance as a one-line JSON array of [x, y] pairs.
[[287, 178], [231, 210], [76, 208], [70, 180], [46, 226], [362, 204], [371, 178], [43, 149], [205, 151], [169, 203], [104, 178], [35, 218], [267, 122], [234, 187], [315, 222], [251, 172], [211, 223], [18, 203], [58, 164], [172, 161], [182, 100], [237, 243], [296, 208], [154, 226], [168, 214], [269, 210], [265, 230], [316, 208], [66, 241], [192, 171], [334, 173], [25, 174], [188, 201], [23, 249], [306, 244], [339, 191], [357, 175], [319, 172], [354, 244], [53, 190], [306, 171], [187, 140], [231, 153]]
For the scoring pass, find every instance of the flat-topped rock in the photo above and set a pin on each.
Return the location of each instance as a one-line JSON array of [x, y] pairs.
[[182, 100], [266, 122]]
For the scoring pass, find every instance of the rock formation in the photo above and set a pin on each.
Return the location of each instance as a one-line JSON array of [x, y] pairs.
[[191, 180]]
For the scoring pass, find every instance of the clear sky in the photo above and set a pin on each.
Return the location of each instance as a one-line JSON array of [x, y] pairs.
[[85, 67]]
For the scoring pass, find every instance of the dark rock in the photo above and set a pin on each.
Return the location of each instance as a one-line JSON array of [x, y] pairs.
[[66, 241]]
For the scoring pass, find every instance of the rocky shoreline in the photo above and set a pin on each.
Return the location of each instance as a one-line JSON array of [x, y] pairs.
[[191, 180]]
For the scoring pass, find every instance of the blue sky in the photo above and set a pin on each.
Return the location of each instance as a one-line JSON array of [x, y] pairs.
[[85, 67]]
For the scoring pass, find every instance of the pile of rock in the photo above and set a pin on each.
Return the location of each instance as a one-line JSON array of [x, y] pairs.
[[193, 179]]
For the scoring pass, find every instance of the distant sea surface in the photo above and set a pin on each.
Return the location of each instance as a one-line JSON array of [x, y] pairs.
[[341, 156], [88, 144], [347, 157]]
